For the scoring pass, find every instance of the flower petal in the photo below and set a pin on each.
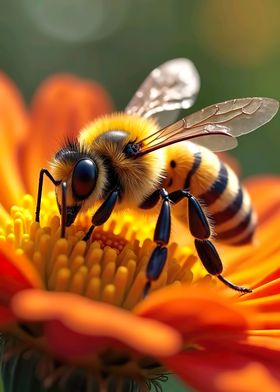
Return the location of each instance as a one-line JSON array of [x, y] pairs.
[[264, 306], [266, 290], [258, 188], [13, 130], [4, 216], [86, 321], [228, 370], [194, 311], [265, 339], [61, 107], [13, 115], [16, 273]]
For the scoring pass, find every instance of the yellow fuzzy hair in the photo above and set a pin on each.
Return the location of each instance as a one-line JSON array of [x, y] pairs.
[[137, 127], [139, 176]]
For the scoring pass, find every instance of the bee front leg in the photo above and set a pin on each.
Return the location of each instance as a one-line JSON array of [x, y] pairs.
[[161, 237], [45, 172], [103, 213], [200, 229]]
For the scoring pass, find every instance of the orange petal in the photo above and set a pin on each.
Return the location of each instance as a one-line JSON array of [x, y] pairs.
[[194, 311], [61, 107], [265, 339], [4, 216], [13, 131], [88, 321], [256, 264], [16, 273], [264, 312], [261, 187], [228, 370], [13, 116], [266, 290]]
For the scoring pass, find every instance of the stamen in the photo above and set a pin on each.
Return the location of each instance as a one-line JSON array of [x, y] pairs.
[[112, 268]]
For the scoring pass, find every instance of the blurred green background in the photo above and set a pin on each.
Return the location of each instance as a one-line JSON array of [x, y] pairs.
[[234, 44]]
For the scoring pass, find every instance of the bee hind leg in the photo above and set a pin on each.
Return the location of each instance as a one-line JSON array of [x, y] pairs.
[[212, 263], [161, 238], [200, 229]]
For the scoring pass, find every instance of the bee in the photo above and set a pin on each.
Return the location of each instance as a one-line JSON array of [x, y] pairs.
[[136, 159]]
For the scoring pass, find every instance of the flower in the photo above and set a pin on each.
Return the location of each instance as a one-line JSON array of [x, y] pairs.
[[73, 312]]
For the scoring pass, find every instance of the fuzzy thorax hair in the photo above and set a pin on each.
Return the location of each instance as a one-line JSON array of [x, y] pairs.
[[137, 177]]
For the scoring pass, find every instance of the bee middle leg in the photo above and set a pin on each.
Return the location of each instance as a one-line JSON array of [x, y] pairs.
[[161, 237], [103, 213], [200, 229]]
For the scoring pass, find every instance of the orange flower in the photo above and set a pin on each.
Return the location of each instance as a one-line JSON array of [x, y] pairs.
[[78, 309]]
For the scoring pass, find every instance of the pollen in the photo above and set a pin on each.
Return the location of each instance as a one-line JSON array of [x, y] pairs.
[[111, 267]]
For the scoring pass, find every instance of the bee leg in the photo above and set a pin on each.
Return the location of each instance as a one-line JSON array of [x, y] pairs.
[[103, 213], [198, 223], [161, 238], [63, 209], [39, 198], [200, 229], [213, 264]]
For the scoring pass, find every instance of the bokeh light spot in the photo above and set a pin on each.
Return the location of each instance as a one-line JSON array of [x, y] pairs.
[[243, 33], [76, 20]]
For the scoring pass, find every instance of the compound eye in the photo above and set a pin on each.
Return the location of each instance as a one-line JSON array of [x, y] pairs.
[[84, 178]]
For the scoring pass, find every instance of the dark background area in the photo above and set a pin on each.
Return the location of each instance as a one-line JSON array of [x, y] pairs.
[[234, 44]]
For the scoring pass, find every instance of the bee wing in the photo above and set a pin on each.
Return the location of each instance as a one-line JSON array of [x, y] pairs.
[[214, 137], [239, 116], [216, 126], [172, 86]]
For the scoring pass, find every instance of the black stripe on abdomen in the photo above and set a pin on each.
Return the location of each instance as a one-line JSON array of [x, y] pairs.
[[195, 166], [217, 188], [231, 210], [236, 230]]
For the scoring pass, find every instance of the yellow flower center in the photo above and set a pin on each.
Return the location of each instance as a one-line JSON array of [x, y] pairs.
[[110, 267]]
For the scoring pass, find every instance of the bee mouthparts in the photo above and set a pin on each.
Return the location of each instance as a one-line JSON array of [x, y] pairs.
[[71, 213]]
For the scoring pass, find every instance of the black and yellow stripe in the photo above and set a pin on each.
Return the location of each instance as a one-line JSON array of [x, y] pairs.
[[217, 186], [197, 156]]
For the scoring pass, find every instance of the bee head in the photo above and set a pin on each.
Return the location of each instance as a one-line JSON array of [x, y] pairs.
[[78, 171], [83, 182]]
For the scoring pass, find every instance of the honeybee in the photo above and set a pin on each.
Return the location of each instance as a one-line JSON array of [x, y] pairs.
[[134, 160]]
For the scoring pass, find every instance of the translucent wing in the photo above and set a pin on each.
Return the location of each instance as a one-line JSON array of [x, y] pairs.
[[172, 86], [216, 126], [239, 116]]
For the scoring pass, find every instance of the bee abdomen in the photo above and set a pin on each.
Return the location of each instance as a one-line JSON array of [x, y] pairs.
[[214, 183], [229, 206], [236, 223], [242, 233], [217, 189]]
